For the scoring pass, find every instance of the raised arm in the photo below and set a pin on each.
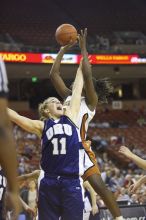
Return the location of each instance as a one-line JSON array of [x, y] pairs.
[[74, 107], [91, 96], [33, 126], [55, 77], [136, 159]]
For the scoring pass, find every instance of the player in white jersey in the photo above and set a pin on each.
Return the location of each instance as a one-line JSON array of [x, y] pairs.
[[95, 91], [84, 117], [84, 109], [7, 146]]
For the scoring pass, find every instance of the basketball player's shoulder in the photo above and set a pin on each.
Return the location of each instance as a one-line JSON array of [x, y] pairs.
[[85, 107], [68, 121]]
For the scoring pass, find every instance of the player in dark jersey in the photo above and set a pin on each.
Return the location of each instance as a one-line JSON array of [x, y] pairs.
[[95, 91], [60, 191], [7, 147]]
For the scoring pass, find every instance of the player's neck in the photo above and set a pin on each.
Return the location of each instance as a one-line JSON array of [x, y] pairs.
[[54, 117]]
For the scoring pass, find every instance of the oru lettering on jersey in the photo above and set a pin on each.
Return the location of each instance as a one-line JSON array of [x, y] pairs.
[[59, 129]]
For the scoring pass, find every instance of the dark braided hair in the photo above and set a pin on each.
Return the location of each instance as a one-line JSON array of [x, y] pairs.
[[103, 88]]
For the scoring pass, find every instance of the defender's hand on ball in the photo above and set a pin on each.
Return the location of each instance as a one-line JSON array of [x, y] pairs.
[[68, 46]]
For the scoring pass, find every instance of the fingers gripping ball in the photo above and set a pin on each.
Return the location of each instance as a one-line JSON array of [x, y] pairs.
[[65, 34]]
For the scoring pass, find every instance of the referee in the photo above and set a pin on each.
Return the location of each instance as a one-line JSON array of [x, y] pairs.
[[7, 147]]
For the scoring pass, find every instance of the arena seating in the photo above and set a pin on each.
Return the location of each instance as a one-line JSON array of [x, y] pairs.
[[123, 125], [34, 23]]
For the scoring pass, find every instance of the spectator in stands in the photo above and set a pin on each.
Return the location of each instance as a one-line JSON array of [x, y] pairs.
[[134, 199], [139, 41], [128, 181], [135, 108], [123, 196], [118, 177], [105, 44], [90, 204], [141, 121], [30, 197]]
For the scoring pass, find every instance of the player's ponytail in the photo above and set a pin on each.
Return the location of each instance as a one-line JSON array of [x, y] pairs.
[[103, 88], [41, 110]]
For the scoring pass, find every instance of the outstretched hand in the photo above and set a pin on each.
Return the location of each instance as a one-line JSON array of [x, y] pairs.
[[125, 151], [68, 46], [82, 40]]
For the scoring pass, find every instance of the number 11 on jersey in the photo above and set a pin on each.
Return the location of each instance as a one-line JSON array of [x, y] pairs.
[[55, 143]]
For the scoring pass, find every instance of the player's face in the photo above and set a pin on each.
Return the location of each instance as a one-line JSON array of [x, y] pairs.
[[55, 107]]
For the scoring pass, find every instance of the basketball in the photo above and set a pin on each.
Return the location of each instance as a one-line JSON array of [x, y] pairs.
[[66, 33]]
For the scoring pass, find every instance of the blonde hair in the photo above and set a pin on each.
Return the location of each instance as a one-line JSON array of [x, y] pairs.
[[42, 107]]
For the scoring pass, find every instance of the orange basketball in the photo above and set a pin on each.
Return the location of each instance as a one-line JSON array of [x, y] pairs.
[[66, 33]]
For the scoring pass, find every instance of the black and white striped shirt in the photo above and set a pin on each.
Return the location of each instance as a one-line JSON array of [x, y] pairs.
[[3, 80]]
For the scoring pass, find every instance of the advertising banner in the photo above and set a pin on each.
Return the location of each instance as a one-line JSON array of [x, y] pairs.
[[95, 59]]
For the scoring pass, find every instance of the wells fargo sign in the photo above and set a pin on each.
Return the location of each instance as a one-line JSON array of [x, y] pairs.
[[21, 57], [15, 57], [113, 59]]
